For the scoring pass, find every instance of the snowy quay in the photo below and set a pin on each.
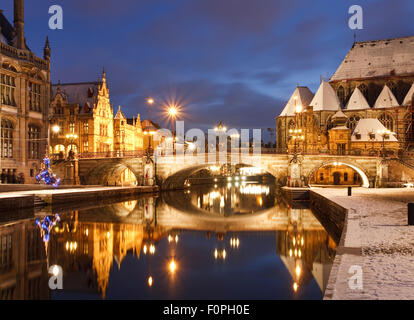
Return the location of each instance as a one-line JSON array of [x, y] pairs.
[[60, 196], [375, 242]]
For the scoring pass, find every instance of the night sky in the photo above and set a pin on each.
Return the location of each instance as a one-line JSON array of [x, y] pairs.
[[237, 61]]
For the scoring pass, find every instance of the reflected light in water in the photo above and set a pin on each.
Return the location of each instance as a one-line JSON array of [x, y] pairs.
[[295, 286], [172, 266], [150, 281]]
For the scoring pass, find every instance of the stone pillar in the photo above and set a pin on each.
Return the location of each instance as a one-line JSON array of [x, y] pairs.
[[382, 173], [149, 174], [71, 173], [295, 173]]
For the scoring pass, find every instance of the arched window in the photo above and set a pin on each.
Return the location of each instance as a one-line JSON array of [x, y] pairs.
[[7, 88], [6, 142], [387, 121], [363, 88], [353, 121], [341, 94], [34, 142], [291, 125]]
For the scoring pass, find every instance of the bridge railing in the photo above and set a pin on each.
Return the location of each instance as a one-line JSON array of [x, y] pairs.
[[99, 155]]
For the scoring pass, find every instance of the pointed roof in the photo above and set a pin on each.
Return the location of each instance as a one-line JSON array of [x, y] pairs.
[[357, 101], [386, 99], [409, 97], [370, 125], [339, 114], [303, 97], [325, 98], [120, 115]]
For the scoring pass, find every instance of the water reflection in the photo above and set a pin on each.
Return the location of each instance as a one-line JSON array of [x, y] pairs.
[[152, 248]]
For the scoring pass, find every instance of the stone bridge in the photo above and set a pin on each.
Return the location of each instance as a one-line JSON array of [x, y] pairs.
[[170, 172]]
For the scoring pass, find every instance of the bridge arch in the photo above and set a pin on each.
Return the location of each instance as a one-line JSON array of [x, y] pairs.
[[110, 173], [364, 175]]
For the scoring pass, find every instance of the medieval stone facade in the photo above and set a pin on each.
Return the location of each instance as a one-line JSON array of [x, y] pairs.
[[24, 102], [83, 122]]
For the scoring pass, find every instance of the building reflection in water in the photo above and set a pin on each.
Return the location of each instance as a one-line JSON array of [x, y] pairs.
[[87, 243]]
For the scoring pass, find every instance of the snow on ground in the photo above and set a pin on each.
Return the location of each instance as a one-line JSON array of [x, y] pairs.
[[377, 227]]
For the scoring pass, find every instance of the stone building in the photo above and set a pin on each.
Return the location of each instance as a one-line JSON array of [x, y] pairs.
[[24, 101], [366, 108], [374, 81], [83, 121]]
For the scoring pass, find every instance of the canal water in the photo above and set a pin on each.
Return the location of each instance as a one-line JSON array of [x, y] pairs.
[[232, 241]]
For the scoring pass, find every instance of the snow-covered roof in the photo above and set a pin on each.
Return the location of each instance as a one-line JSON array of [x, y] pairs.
[[409, 97], [80, 93], [357, 101], [365, 127], [379, 58], [340, 128], [339, 114], [386, 99], [303, 97], [325, 98]]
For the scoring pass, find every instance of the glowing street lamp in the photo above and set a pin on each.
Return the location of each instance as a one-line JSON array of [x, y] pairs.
[[385, 134], [172, 112], [56, 129]]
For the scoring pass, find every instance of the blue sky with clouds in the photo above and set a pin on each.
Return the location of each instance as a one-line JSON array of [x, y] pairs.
[[235, 61]]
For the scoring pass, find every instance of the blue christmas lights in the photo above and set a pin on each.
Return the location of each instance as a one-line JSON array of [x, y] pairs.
[[46, 225], [47, 176]]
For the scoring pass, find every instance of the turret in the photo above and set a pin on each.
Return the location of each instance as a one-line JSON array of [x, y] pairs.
[[46, 50], [19, 24]]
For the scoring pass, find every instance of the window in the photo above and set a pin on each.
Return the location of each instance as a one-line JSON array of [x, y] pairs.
[[346, 176], [7, 88], [353, 121], [34, 245], [341, 95], [85, 127], [85, 146], [321, 176], [6, 252], [387, 121], [34, 142], [72, 127], [34, 97], [341, 148], [6, 141]]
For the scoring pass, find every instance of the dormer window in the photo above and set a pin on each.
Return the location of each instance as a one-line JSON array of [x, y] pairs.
[[358, 136], [372, 136]]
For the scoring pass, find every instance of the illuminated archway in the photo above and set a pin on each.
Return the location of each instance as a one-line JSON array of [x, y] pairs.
[[362, 174]]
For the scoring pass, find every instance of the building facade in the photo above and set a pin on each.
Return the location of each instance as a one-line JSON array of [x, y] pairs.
[[24, 102], [374, 81], [83, 122]]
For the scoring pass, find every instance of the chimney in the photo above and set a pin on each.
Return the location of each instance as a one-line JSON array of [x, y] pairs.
[[19, 23]]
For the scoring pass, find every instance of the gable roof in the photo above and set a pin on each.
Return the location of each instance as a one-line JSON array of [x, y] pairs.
[[386, 99], [379, 58], [325, 98], [408, 100], [357, 101], [370, 125], [303, 97], [339, 114]]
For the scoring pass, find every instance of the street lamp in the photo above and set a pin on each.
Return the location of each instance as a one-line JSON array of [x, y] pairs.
[[71, 137], [148, 130], [296, 135], [385, 134], [173, 113], [56, 129]]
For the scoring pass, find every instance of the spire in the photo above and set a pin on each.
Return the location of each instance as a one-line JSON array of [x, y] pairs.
[[46, 49], [301, 97], [58, 88], [409, 98], [19, 24]]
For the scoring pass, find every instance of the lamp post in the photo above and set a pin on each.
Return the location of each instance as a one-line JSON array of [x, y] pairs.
[[71, 137], [296, 135], [385, 134], [149, 132], [173, 113]]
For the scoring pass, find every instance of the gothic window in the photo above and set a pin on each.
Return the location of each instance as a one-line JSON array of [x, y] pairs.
[[7, 89], [34, 97], [341, 95], [85, 146], [85, 127], [72, 127], [363, 88], [34, 142], [352, 122], [387, 121], [6, 141]]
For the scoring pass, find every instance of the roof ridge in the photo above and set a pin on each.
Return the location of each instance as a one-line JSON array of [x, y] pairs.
[[387, 39], [75, 83]]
